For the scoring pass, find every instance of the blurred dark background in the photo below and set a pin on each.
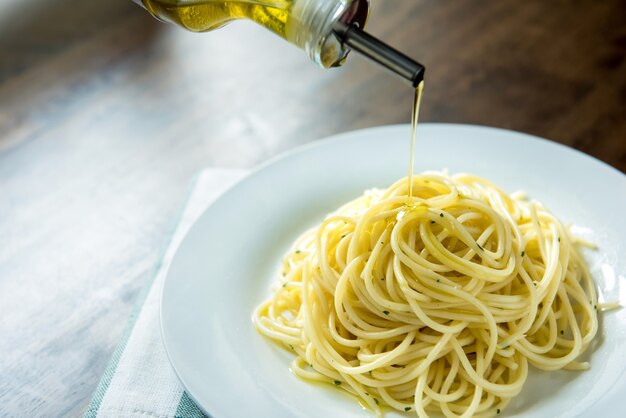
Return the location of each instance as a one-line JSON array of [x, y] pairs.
[[106, 115]]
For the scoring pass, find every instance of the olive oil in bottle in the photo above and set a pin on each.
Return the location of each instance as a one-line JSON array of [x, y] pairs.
[[306, 23], [206, 15]]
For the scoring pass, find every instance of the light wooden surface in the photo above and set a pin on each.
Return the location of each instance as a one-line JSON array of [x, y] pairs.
[[107, 114]]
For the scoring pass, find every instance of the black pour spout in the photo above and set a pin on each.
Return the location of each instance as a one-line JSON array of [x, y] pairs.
[[379, 52]]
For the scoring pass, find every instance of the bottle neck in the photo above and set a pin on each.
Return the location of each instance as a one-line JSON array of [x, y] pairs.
[[311, 23]]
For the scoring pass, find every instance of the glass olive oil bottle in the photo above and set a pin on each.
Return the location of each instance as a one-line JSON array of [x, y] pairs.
[[306, 23]]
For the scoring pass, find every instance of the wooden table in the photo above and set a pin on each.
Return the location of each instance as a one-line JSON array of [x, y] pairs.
[[107, 114]]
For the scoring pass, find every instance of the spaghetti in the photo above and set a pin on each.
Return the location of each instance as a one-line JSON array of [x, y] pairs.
[[435, 303]]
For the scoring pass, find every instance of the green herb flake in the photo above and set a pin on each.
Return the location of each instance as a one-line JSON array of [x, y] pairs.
[[407, 408], [376, 400], [438, 280], [432, 222], [386, 312], [337, 382], [298, 251], [562, 332], [343, 236], [498, 411], [558, 239], [382, 278], [284, 284], [441, 215], [523, 253]]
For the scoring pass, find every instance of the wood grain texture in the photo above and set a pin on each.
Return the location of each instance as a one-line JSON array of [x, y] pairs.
[[107, 114]]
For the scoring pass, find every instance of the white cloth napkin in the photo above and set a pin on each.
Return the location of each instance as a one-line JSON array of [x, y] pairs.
[[139, 380]]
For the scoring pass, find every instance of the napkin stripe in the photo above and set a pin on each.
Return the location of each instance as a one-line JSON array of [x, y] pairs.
[[187, 408]]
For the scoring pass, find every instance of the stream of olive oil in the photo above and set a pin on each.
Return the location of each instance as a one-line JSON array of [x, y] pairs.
[[417, 100], [205, 15]]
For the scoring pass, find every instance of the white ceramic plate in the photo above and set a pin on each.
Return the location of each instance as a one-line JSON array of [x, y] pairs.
[[228, 261]]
